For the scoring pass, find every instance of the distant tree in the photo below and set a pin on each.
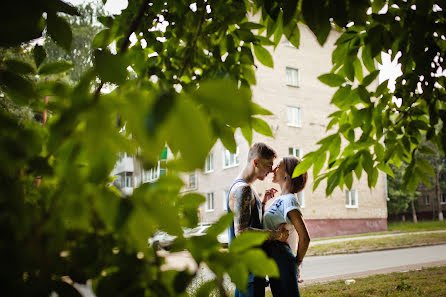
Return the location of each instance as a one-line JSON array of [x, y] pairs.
[[438, 175], [84, 29], [400, 198]]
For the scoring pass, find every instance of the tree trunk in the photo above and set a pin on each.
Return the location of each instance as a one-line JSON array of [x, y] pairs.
[[404, 218], [414, 213]]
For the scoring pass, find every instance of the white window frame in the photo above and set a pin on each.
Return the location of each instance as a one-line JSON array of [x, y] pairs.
[[292, 77], [301, 198], [151, 175], [236, 159], [294, 116], [443, 198], [427, 200], [209, 165], [210, 201], [348, 198], [189, 184], [128, 180], [293, 152]]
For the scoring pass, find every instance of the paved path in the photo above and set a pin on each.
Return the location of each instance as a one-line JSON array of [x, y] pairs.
[[326, 268], [323, 241]]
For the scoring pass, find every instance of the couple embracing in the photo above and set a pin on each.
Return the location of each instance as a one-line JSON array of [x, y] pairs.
[[281, 218]]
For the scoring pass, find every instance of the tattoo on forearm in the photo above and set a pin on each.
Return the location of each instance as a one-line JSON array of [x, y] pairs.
[[242, 207]]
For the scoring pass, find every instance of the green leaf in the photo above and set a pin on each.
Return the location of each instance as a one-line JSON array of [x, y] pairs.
[[226, 101], [60, 31], [279, 31], [39, 54], [424, 149], [292, 33], [187, 130], [386, 169], [221, 225], [349, 69], [367, 59], [370, 78], [109, 67], [191, 200], [319, 163], [259, 264], [55, 67], [249, 74], [250, 26], [302, 167], [264, 56], [19, 88], [334, 148], [289, 10], [102, 39], [239, 275], [341, 97], [358, 69], [257, 109], [226, 135], [247, 133], [425, 166], [332, 182], [247, 240], [348, 179], [261, 127], [316, 16], [331, 79], [19, 67]]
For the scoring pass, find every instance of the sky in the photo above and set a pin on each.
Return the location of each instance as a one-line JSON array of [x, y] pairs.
[[389, 70]]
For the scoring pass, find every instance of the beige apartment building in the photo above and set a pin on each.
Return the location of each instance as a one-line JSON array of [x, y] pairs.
[[300, 104]]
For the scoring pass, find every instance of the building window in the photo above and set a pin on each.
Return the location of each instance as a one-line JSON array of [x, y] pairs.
[[351, 199], [230, 159], [294, 116], [427, 200], [293, 151], [209, 201], [209, 167], [292, 77], [128, 182], [192, 183], [152, 174], [225, 196], [301, 199], [443, 198]]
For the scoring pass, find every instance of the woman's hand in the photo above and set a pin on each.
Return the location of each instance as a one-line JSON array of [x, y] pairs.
[[269, 194]]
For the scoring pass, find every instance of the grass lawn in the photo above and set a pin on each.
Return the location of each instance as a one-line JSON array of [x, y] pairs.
[[361, 245], [429, 282], [420, 226]]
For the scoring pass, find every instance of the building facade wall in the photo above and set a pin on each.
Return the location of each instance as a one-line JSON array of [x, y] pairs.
[[313, 98]]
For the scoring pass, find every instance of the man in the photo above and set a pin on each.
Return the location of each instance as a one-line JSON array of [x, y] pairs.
[[244, 202]]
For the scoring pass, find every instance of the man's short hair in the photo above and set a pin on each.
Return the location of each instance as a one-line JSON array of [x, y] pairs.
[[262, 151]]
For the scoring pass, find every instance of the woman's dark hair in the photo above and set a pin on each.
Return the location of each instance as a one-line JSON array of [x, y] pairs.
[[297, 183]]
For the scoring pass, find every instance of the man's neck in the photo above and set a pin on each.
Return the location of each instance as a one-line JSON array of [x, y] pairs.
[[248, 175]]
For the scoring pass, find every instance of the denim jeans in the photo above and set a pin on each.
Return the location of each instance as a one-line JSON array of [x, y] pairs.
[[256, 287], [286, 285]]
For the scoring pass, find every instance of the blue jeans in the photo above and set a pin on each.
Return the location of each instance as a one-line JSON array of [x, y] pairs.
[[286, 285], [256, 287]]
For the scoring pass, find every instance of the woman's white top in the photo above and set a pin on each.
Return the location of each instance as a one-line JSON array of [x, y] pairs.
[[277, 213]]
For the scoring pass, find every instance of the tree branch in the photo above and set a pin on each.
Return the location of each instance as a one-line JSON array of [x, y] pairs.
[[135, 23]]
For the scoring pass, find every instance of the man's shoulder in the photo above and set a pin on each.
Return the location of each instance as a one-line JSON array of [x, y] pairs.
[[241, 189]]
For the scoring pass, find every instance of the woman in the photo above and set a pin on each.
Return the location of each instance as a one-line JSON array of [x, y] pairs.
[[286, 209]]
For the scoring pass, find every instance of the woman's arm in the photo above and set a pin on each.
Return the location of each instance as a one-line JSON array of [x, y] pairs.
[[304, 238]]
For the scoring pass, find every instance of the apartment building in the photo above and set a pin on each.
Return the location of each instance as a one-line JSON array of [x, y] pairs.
[[300, 104]]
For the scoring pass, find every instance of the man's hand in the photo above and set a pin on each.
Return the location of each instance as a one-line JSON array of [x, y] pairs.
[[281, 233]]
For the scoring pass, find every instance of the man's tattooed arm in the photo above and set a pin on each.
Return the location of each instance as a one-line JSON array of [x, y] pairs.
[[242, 208]]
